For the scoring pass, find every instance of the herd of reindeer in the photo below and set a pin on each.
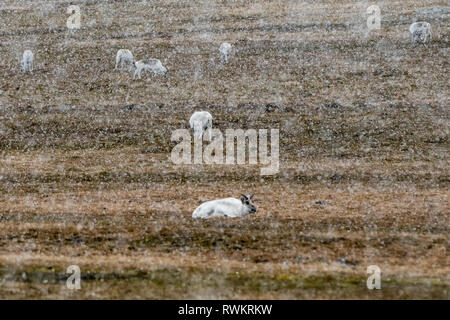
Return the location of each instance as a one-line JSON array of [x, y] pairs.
[[201, 121]]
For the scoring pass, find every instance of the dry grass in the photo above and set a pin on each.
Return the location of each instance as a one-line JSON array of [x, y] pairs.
[[85, 175]]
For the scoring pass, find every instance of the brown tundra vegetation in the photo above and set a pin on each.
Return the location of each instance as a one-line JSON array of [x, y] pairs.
[[85, 171]]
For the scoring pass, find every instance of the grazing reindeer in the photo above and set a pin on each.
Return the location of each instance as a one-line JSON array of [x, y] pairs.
[[27, 61], [124, 59], [153, 66], [420, 32], [200, 122], [225, 51]]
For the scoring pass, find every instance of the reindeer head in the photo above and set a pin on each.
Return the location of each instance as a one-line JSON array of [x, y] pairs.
[[247, 202]]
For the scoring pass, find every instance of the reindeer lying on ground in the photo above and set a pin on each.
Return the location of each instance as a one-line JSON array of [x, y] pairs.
[[228, 207]]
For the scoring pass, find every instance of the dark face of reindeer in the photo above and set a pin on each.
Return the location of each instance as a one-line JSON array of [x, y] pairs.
[[419, 36], [247, 201]]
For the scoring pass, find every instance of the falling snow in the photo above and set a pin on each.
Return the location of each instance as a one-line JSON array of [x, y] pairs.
[[92, 206]]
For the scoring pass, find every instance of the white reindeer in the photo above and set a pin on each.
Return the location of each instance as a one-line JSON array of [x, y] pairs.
[[228, 207], [200, 122], [27, 61], [124, 59], [153, 66], [225, 51], [420, 32]]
